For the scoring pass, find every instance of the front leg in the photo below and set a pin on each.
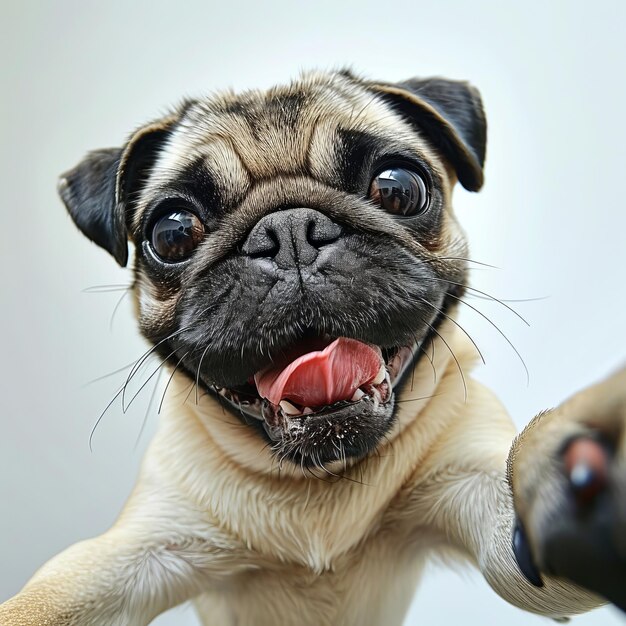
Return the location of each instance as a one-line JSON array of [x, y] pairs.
[[158, 554], [462, 492], [568, 473]]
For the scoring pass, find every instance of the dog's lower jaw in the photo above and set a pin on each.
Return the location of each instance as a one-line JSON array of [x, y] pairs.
[[343, 432], [244, 445]]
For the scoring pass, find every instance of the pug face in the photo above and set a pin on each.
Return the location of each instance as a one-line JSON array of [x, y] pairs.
[[294, 248]]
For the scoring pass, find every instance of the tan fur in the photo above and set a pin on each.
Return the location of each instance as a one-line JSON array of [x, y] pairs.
[[216, 518], [208, 520]]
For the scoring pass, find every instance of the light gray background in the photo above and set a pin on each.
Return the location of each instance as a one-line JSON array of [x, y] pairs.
[[81, 75]]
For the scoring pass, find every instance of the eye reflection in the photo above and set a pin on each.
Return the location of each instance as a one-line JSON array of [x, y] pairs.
[[400, 191], [176, 235]]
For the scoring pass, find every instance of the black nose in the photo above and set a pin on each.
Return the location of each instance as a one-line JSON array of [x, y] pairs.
[[292, 237]]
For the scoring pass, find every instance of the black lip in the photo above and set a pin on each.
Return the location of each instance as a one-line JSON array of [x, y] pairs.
[[350, 431]]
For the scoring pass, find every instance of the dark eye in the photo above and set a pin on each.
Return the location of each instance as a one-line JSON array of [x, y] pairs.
[[176, 235], [400, 191]]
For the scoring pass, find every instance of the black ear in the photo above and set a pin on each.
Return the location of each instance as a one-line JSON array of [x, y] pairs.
[[88, 192], [450, 113], [98, 191]]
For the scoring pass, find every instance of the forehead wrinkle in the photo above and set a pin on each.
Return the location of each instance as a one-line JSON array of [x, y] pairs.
[[254, 125], [288, 150], [227, 169], [250, 123], [265, 149], [228, 116]]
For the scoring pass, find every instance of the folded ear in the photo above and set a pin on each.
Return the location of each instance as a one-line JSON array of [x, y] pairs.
[[450, 113], [97, 192]]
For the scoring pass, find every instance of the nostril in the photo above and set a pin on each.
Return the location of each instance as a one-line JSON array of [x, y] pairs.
[[322, 233], [263, 242], [273, 244], [310, 234]]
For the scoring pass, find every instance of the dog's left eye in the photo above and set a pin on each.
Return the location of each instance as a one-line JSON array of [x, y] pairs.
[[400, 191], [176, 235]]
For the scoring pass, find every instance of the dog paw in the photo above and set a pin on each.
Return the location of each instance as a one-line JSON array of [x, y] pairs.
[[567, 470]]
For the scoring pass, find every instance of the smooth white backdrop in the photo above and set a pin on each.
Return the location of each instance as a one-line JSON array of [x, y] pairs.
[[80, 75]]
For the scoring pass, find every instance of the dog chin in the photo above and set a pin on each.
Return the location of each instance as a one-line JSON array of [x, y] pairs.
[[325, 430]]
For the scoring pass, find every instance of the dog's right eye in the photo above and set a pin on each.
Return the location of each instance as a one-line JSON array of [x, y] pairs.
[[176, 235]]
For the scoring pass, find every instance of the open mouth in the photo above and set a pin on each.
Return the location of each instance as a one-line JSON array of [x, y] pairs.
[[322, 381]]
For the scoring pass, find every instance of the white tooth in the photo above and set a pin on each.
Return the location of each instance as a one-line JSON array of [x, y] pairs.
[[288, 408], [380, 376], [358, 394], [222, 391], [307, 410]]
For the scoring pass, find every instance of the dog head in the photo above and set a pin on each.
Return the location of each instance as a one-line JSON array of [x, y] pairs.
[[295, 247]]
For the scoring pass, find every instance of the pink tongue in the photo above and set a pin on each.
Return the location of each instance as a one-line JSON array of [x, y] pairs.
[[321, 377]]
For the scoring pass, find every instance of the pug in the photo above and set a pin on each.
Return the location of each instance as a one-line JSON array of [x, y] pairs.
[[298, 269]]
